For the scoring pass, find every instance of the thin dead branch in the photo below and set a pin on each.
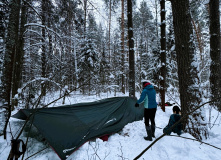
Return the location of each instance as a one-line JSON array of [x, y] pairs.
[[196, 140], [183, 117], [32, 114]]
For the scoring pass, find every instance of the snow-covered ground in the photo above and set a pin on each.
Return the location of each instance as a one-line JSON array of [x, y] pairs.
[[129, 143]]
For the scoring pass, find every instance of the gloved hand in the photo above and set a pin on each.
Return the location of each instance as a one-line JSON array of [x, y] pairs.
[[136, 105]]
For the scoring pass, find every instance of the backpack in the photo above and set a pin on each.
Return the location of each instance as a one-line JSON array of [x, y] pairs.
[[15, 144]]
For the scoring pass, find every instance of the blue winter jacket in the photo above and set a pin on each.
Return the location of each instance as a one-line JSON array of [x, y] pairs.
[[173, 119], [148, 96]]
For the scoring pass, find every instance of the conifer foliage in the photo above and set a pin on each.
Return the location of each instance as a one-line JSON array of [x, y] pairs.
[[51, 47]]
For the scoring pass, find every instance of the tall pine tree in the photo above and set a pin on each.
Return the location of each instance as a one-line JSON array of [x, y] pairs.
[[215, 70], [190, 95]]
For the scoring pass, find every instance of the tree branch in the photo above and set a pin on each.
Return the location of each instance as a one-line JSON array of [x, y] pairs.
[[36, 153], [196, 140], [32, 114], [183, 117]]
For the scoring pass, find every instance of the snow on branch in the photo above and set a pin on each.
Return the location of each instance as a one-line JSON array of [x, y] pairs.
[[42, 26], [40, 79], [36, 44]]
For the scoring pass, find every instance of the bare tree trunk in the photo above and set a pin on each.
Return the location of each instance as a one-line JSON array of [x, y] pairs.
[[8, 66], [43, 54], [163, 54], [19, 56], [131, 49], [85, 16], [215, 78], [122, 45], [190, 95], [109, 43]]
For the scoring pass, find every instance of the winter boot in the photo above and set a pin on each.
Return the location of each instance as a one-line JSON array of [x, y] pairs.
[[149, 133], [153, 130]]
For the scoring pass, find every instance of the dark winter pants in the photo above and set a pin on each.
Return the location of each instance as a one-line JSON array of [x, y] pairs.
[[149, 115]]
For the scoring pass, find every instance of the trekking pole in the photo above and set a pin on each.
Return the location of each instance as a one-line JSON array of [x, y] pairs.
[[15, 145]]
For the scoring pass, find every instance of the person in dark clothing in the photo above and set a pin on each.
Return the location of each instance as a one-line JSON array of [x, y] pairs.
[[173, 119], [148, 97]]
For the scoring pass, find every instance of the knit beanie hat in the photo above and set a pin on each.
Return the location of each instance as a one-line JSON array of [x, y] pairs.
[[176, 109], [145, 84]]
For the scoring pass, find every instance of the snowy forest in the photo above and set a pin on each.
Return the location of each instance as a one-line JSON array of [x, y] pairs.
[[51, 50]]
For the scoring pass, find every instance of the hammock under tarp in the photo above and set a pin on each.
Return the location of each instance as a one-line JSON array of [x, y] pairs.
[[68, 127]]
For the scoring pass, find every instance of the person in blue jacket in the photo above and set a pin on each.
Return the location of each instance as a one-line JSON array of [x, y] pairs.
[[148, 97], [173, 119]]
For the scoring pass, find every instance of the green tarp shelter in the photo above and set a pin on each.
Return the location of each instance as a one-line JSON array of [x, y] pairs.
[[68, 127]]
